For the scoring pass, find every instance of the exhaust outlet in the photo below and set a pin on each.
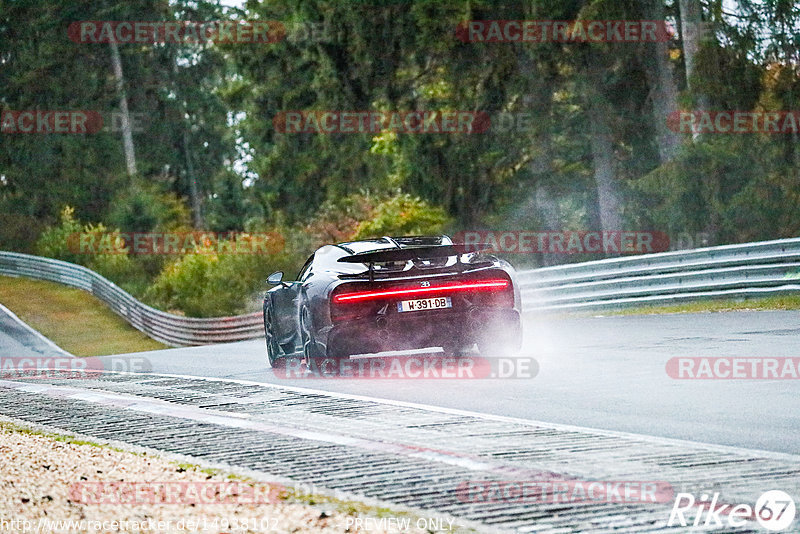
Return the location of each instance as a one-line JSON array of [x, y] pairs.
[[383, 327], [474, 318]]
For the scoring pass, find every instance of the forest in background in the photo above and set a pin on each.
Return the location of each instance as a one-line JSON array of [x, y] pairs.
[[595, 150]]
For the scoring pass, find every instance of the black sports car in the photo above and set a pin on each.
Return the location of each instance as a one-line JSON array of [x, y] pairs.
[[394, 293]]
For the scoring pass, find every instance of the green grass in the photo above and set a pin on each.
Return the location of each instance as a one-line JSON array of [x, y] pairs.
[[8, 426], [75, 320], [778, 302]]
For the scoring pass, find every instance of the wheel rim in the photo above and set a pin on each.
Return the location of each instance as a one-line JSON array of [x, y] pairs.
[[272, 352], [305, 335]]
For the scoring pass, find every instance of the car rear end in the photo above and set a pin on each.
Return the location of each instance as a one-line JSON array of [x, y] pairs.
[[439, 302]]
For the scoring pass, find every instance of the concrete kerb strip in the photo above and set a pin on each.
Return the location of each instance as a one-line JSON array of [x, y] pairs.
[[491, 417]]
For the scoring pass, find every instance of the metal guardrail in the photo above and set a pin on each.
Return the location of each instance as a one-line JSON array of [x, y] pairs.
[[167, 328], [750, 269]]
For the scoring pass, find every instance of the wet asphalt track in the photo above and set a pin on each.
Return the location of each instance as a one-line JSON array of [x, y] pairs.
[[18, 340], [598, 372]]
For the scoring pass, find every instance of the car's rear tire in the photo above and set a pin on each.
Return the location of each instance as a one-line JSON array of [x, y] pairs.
[[457, 349], [508, 344], [310, 347]]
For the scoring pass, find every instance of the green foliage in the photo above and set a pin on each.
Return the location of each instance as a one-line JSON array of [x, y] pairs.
[[179, 118], [205, 115], [145, 208], [209, 284], [121, 269], [403, 214], [54, 241], [18, 231], [733, 186], [228, 207], [338, 219], [70, 240]]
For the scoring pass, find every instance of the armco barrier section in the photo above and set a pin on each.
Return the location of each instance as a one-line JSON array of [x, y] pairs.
[[750, 269], [167, 328]]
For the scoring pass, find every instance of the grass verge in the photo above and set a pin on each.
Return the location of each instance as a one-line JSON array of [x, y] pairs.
[[75, 320], [778, 302]]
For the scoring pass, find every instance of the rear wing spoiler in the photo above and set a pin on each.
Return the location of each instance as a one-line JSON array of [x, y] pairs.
[[415, 253]]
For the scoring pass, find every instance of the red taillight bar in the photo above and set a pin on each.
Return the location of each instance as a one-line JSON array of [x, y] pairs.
[[460, 286]]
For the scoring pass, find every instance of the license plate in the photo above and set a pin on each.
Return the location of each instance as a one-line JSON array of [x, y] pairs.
[[435, 303]]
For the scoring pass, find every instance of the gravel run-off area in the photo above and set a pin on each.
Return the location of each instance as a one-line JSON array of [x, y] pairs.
[[52, 484]]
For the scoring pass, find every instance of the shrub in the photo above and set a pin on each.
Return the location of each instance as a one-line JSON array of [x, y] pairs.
[[63, 242], [208, 283], [54, 242], [403, 215], [338, 220], [144, 207]]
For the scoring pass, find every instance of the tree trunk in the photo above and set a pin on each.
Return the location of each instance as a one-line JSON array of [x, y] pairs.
[[547, 207], [608, 202], [693, 32], [663, 90], [127, 137], [194, 192], [543, 204], [544, 201], [692, 28]]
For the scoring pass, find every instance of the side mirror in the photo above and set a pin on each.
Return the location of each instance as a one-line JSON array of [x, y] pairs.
[[275, 278]]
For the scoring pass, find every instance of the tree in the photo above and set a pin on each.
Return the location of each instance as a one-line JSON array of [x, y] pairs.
[[127, 136]]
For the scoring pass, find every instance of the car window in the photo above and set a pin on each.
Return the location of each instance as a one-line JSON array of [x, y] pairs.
[[305, 272]]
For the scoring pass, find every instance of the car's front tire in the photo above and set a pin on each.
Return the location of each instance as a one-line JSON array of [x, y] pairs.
[[274, 354]]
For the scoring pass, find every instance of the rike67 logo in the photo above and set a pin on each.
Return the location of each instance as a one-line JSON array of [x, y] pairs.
[[774, 511]]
